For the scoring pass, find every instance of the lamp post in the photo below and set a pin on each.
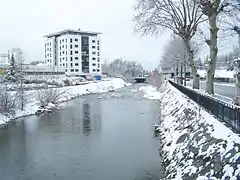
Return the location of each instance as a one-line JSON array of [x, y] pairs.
[[237, 78]]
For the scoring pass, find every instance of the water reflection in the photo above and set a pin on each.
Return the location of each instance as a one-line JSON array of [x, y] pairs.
[[90, 138], [86, 119]]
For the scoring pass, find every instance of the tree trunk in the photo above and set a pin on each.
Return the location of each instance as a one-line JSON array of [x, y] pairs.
[[177, 73], [237, 91], [181, 71], [192, 64], [237, 67], [213, 53], [185, 77]]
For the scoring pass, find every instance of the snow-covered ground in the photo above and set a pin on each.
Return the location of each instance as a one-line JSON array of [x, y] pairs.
[[71, 92], [194, 145]]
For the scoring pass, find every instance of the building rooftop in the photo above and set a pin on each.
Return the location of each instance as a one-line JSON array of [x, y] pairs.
[[70, 31]]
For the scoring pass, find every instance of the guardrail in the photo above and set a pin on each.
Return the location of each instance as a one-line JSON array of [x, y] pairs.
[[223, 111]]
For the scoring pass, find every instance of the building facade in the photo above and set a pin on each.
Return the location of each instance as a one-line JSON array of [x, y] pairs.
[[78, 52]]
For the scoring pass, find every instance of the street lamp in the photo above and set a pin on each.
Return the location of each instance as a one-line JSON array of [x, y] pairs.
[[237, 77]]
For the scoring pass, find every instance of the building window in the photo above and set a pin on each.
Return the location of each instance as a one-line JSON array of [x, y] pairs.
[[60, 53], [66, 70], [94, 64], [60, 47], [98, 53], [98, 48], [94, 58], [76, 64], [70, 58], [94, 70], [70, 52], [76, 46], [66, 40], [72, 70], [98, 59], [60, 64], [70, 46], [63, 40], [60, 59], [71, 64], [76, 39], [93, 41], [98, 65], [76, 52], [63, 52], [60, 41], [71, 40], [66, 52], [66, 46], [63, 58], [93, 47], [63, 64], [98, 42], [66, 58], [98, 70], [76, 70], [76, 58], [93, 52]]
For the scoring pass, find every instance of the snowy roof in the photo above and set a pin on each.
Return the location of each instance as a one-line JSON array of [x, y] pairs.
[[70, 31], [218, 73], [224, 74]]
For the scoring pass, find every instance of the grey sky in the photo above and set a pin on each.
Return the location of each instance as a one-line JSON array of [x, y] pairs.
[[25, 22]]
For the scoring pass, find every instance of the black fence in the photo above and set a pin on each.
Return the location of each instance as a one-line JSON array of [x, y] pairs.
[[224, 111]]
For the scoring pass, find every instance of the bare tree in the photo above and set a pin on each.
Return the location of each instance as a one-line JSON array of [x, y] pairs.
[[182, 17], [7, 101], [212, 9], [50, 96], [174, 57]]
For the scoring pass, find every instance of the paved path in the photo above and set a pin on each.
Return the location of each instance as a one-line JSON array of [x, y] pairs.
[[222, 90]]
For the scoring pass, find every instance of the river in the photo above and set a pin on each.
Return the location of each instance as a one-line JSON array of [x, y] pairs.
[[97, 137]]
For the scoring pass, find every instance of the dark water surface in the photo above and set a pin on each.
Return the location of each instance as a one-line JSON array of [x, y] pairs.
[[96, 137]]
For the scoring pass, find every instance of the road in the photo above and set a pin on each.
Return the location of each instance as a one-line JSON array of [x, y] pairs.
[[222, 90]]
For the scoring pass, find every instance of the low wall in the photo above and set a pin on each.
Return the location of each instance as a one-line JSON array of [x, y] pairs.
[[194, 145]]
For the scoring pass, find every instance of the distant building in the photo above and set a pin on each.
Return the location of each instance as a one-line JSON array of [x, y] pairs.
[[42, 69], [78, 52], [3, 63]]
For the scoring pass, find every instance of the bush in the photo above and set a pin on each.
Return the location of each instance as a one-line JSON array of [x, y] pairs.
[[52, 95], [7, 101]]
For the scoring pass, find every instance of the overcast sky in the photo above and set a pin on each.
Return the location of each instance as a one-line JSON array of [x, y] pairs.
[[25, 22]]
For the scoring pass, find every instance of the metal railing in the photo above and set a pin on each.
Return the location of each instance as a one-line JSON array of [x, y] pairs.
[[226, 112]]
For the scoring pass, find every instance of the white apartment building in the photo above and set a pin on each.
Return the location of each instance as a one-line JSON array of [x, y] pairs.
[[77, 51]]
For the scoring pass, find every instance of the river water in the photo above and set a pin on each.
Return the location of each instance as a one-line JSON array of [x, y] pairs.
[[97, 137]]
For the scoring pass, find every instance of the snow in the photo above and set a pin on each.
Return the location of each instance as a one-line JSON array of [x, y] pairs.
[[71, 92], [224, 74], [202, 73], [218, 73], [150, 92], [213, 137]]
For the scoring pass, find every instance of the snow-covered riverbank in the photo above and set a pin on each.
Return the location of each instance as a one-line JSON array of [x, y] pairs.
[[194, 145], [32, 105]]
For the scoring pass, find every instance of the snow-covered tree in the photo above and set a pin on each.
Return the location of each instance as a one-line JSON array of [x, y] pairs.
[[12, 71]]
